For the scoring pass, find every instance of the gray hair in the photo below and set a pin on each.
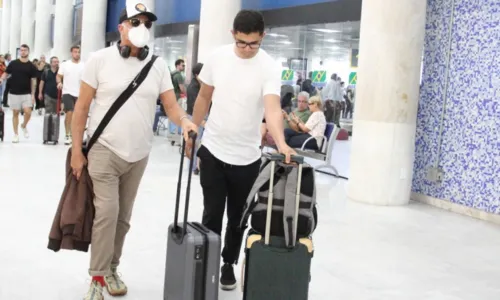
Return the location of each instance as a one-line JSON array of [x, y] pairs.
[[305, 94]]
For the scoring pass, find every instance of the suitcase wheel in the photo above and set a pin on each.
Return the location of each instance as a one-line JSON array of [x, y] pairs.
[[172, 143]]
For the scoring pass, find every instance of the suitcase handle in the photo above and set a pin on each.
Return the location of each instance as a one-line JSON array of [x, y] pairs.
[[179, 235], [281, 157], [58, 103]]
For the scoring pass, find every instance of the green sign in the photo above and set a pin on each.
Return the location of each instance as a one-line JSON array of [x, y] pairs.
[[319, 77], [287, 75], [353, 78]]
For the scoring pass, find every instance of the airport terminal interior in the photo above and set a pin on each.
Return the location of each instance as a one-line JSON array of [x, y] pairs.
[[409, 201]]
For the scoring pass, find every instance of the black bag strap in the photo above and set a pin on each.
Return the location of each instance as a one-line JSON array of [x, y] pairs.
[[125, 95]]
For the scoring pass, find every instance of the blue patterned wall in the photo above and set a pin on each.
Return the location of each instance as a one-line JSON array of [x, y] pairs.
[[470, 151]]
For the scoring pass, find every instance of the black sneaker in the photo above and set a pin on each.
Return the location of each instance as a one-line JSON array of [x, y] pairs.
[[227, 279], [196, 172]]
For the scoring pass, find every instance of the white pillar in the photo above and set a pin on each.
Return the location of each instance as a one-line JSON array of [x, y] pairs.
[[383, 143], [93, 26], [15, 26], [42, 30], [28, 23], [63, 29], [216, 24], [5, 38]]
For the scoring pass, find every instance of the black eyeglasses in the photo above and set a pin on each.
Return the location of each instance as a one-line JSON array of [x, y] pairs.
[[137, 22], [252, 45]]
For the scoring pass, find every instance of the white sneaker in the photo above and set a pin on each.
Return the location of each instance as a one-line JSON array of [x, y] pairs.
[[25, 131], [95, 292], [68, 140], [15, 140]]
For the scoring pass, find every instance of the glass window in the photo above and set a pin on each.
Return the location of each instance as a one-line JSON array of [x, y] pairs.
[[311, 49], [171, 48]]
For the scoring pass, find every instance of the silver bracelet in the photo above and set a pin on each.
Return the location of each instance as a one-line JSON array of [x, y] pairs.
[[183, 117]]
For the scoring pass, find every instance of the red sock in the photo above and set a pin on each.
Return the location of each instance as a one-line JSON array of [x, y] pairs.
[[99, 279]]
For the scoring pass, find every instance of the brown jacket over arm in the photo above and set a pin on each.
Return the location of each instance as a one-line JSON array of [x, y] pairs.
[[72, 225]]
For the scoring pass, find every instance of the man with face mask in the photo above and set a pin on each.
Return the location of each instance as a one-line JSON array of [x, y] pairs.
[[116, 163]]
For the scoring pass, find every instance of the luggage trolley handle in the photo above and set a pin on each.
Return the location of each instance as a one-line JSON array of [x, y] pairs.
[[178, 233], [281, 158], [59, 102]]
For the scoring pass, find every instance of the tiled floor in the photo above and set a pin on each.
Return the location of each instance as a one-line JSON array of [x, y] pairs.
[[363, 252]]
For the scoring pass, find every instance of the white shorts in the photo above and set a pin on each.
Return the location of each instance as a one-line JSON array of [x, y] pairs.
[[19, 102]]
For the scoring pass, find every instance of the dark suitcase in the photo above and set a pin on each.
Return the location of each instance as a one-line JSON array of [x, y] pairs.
[[2, 125], [273, 271], [193, 253], [51, 123]]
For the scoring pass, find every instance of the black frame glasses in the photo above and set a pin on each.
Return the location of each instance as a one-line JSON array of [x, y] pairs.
[[137, 22], [253, 45]]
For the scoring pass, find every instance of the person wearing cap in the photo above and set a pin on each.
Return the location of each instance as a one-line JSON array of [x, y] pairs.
[[116, 163]]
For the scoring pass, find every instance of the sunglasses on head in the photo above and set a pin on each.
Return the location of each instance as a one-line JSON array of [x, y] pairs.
[[137, 22]]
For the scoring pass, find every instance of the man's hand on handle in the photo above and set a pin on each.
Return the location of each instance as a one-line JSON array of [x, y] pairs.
[[188, 126], [287, 151]]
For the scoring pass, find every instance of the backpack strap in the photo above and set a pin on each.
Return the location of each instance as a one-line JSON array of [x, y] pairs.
[[252, 201], [119, 102]]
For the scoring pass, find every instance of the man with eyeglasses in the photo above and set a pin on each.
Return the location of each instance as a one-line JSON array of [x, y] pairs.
[[241, 81], [116, 163]]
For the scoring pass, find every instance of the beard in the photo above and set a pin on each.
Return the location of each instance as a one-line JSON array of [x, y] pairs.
[[25, 56]]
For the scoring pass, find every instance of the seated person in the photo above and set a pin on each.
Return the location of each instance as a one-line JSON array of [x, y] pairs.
[[302, 111], [314, 127]]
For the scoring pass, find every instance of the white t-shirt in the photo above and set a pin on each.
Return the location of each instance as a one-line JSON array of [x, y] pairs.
[[232, 133], [129, 134], [317, 126], [72, 73]]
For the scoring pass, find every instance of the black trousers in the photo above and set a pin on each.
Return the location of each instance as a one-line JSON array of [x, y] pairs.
[[296, 139], [221, 182]]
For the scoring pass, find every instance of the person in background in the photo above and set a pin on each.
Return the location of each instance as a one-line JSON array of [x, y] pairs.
[[5, 84], [302, 112], [314, 127], [47, 93], [179, 88], [3, 67], [192, 93], [71, 72], [41, 68], [22, 90]]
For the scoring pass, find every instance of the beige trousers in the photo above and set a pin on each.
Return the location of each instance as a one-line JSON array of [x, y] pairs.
[[116, 182]]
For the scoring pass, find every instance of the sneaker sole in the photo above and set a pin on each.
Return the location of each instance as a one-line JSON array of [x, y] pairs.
[[228, 287], [117, 294]]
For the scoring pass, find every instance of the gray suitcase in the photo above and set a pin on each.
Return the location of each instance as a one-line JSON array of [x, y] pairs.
[[193, 253], [51, 128]]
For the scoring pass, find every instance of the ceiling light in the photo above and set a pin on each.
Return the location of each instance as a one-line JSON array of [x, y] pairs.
[[285, 42], [326, 30], [276, 35], [331, 41]]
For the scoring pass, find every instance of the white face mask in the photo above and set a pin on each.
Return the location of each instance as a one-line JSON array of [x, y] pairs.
[[139, 36]]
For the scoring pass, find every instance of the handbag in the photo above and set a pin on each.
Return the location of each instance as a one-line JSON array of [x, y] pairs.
[[124, 96]]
